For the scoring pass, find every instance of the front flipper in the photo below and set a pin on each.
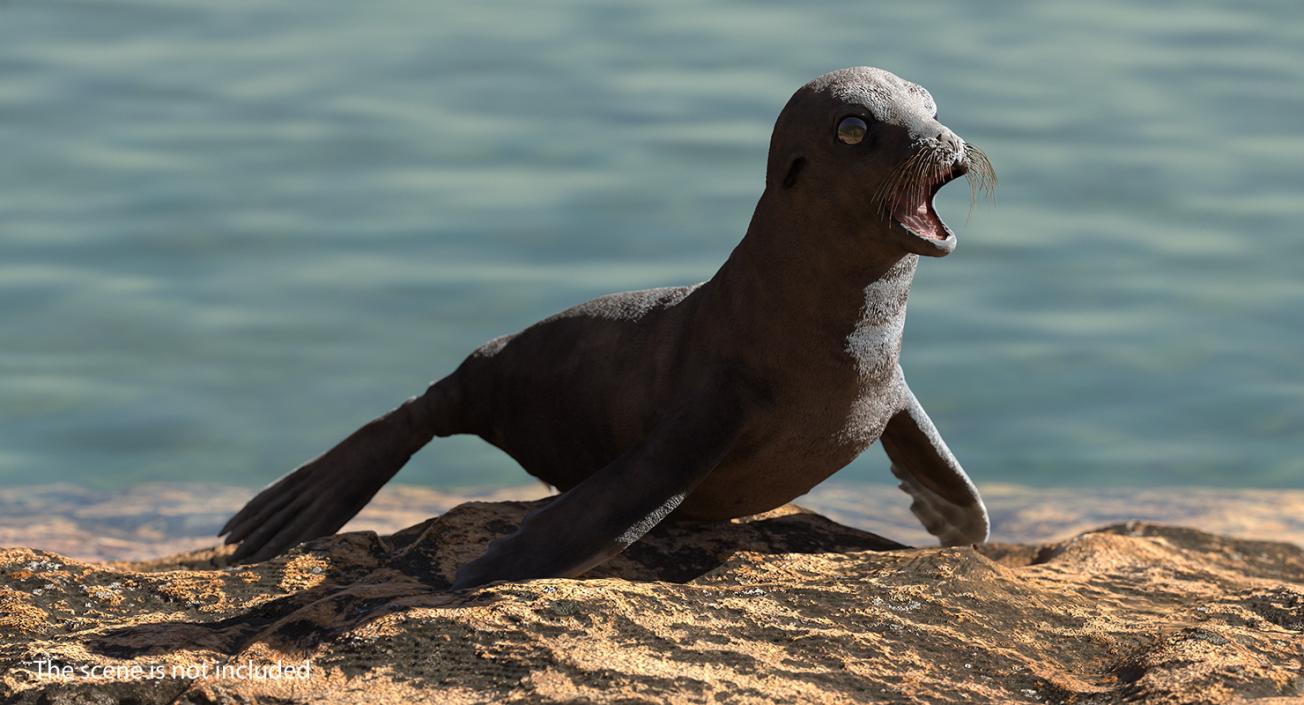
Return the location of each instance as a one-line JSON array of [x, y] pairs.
[[945, 500], [618, 504]]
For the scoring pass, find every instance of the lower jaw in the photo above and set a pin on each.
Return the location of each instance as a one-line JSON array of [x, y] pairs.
[[935, 233], [922, 244]]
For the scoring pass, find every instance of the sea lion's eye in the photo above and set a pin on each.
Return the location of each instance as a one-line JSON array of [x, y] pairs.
[[851, 130]]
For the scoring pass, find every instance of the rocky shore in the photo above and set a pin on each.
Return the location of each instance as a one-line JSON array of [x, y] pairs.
[[785, 607]]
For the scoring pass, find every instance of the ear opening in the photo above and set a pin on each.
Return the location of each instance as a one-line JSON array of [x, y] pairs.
[[794, 170]]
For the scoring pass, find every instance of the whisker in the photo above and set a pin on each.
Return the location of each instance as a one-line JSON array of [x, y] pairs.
[[981, 176], [909, 183], [885, 198], [912, 176], [924, 175]]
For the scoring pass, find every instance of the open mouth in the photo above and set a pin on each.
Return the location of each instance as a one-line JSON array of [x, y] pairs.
[[918, 216]]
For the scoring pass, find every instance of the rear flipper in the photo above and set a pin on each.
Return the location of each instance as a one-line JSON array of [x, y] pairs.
[[322, 495], [618, 504], [946, 502]]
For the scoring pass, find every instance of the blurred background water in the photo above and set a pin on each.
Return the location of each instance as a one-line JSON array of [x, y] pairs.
[[232, 232]]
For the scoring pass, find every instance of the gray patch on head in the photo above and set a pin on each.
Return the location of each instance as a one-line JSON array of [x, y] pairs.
[[890, 98]]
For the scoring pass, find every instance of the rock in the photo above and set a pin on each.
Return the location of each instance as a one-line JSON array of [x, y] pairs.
[[784, 607]]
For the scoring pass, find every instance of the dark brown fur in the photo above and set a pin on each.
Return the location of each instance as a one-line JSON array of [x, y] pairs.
[[714, 401]]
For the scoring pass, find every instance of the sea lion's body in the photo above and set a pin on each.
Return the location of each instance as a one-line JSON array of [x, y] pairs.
[[720, 400], [626, 358]]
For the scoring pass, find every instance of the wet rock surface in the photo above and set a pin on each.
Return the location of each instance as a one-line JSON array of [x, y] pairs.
[[788, 607]]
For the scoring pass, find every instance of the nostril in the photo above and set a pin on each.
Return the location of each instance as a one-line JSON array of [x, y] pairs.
[[956, 144]]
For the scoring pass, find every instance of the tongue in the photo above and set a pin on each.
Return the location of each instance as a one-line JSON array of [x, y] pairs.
[[923, 222]]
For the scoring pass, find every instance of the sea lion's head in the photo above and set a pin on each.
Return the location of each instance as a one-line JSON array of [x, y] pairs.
[[865, 147]]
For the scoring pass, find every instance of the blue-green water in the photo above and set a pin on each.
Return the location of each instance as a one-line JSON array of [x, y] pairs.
[[230, 232]]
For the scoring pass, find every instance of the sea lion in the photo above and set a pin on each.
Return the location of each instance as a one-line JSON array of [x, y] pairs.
[[712, 401]]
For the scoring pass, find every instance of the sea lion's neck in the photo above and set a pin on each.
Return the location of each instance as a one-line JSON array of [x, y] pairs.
[[803, 276]]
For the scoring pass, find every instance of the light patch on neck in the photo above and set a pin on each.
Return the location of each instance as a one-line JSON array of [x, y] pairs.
[[875, 342]]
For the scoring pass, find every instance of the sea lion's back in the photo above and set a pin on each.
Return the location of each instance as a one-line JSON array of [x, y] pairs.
[[568, 394]]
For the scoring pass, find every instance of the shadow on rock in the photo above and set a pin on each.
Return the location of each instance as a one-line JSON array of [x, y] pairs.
[[356, 578]]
